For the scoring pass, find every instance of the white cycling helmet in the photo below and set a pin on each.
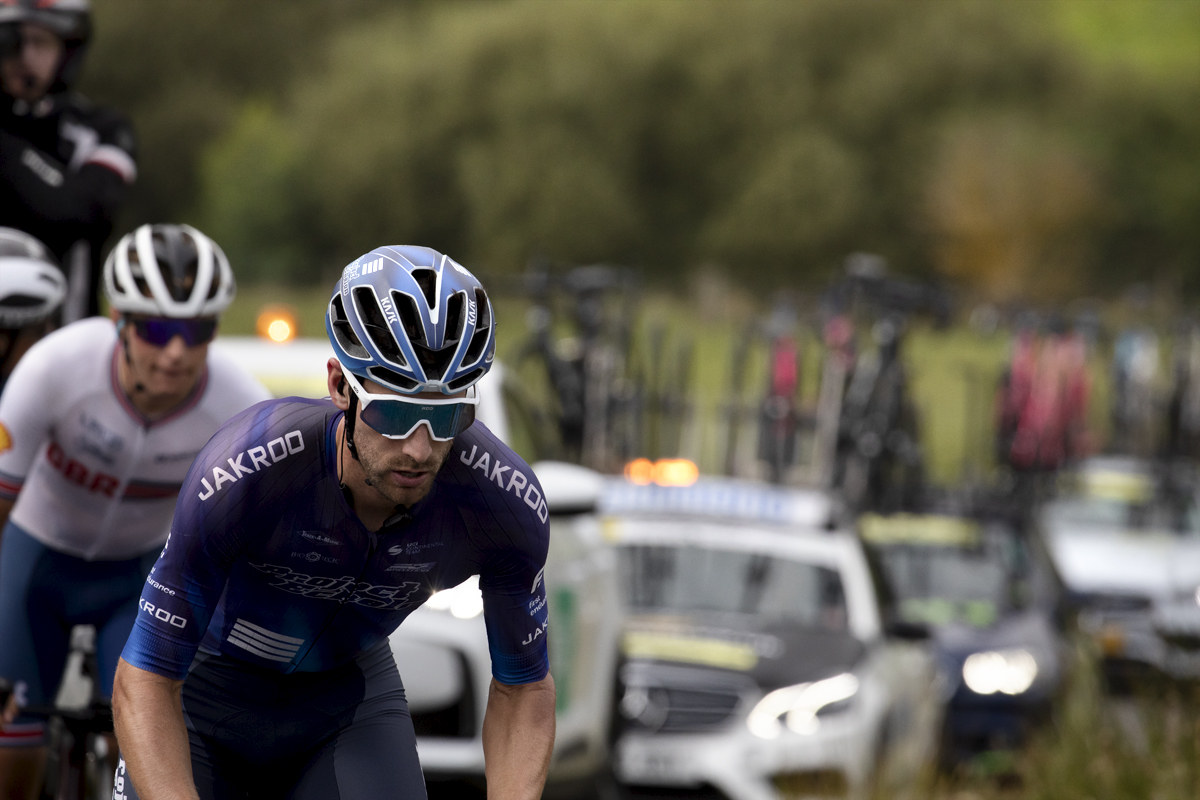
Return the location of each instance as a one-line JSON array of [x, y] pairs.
[[31, 284], [168, 271]]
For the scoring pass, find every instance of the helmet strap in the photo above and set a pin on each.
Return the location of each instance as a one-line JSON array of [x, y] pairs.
[[138, 386], [8, 337], [351, 417]]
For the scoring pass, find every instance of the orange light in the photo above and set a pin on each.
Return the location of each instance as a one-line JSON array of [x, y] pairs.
[[640, 471], [277, 323], [675, 472], [664, 472]]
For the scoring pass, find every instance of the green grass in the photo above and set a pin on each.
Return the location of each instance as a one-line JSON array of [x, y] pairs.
[[1085, 754]]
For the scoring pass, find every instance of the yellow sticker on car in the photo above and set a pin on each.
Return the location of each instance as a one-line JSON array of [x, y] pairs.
[[1124, 487], [6, 441], [689, 650], [923, 529]]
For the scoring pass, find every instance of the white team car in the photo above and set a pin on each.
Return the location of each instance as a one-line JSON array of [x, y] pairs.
[[442, 652], [754, 657], [1126, 542]]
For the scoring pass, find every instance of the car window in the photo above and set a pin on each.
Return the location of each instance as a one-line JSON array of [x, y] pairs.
[[974, 583], [702, 580], [1103, 514]]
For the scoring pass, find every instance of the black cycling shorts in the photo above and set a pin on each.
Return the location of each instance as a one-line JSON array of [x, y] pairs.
[[343, 734]]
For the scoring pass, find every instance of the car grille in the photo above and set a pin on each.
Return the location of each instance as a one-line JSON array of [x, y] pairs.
[[668, 699], [1113, 603]]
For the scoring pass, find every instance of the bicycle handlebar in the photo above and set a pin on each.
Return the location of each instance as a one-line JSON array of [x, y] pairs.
[[96, 717]]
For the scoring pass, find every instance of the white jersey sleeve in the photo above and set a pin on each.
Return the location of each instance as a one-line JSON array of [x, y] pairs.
[[28, 409]]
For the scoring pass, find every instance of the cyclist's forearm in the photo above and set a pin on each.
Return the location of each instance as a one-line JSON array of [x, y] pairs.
[[148, 717], [518, 738]]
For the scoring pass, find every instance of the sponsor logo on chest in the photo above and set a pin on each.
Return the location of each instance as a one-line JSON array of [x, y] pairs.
[[345, 589], [79, 474]]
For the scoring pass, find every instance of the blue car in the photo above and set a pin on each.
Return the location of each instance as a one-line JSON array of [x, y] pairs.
[[996, 609]]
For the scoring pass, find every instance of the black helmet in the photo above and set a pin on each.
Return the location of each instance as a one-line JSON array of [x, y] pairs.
[[71, 20]]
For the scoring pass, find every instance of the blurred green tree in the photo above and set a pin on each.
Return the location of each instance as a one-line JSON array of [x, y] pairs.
[[979, 141]]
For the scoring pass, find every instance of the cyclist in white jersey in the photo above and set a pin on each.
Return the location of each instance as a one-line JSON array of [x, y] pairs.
[[31, 289], [99, 424]]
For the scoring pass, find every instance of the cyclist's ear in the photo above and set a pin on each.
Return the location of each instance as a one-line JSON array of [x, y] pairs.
[[335, 384]]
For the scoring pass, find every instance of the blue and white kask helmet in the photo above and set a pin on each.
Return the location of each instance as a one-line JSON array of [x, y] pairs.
[[413, 320]]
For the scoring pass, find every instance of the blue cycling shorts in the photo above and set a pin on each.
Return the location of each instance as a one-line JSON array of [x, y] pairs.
[[45, 593], [342, 734]]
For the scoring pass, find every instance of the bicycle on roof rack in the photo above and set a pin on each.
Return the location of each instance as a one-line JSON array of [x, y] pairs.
[[778, 420], [877, 461], [608, 405]]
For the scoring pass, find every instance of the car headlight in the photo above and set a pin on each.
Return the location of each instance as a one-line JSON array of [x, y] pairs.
[[1006, 671], [798, 706], [463, 601]]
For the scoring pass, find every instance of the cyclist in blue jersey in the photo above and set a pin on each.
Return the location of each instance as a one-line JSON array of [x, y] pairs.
[[307, 530]]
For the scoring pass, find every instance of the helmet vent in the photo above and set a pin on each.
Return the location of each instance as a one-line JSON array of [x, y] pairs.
[[410, 317], [454, 319], [434, 362], [483, 326], [346, 338], [376, 326], [464, 381], [21, 301], [179, 261], [391, 378], [427, 280]]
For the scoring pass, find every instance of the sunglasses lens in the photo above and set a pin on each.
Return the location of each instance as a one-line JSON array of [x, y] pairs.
[[400, 418], [159, 331]]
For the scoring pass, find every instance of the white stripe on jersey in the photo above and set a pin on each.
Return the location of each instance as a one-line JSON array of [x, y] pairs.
[[262, 642]]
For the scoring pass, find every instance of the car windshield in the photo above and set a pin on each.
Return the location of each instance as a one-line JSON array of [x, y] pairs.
[[1102, 514], [974, 577], [712, 582]]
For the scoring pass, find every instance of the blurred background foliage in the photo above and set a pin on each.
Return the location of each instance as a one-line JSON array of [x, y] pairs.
[[1026, 150]]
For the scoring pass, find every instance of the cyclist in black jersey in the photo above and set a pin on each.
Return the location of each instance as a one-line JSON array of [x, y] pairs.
[[307, 530], [64, 162]]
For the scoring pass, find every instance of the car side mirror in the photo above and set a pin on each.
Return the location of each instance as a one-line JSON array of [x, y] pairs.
[[907, 631]]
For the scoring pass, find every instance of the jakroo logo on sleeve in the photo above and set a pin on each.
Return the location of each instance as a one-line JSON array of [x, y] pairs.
[[260, 458], [518, 484]]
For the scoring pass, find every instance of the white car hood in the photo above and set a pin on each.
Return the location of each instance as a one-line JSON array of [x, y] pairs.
[[1143, 562]]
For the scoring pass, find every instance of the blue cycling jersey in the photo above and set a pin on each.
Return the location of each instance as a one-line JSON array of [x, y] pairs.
[[266, 562]]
